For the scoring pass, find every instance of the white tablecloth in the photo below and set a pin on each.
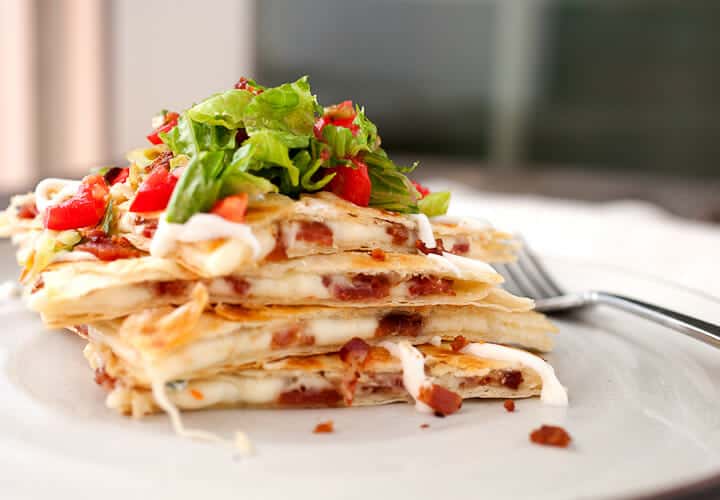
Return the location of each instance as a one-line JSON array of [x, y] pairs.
[[631, 235]]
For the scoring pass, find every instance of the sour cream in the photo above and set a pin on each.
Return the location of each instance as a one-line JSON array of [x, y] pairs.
[[51, 191]]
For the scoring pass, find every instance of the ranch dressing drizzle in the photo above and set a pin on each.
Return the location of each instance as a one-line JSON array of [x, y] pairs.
[[51, 191], [553, 393], [200, 227], [424, 229], [413, 370], [468, 222]]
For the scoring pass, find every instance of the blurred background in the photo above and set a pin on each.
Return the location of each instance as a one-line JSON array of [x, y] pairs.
[[592, 100]]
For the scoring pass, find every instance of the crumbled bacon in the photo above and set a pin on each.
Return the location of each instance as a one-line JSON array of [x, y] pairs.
[[27, 210], [512, 379], [509, 405], [399, 233], [363, 286], [401, 324], [38, 285], [307, 397], [104, 380], [424, 426], [430, 285], [163, 159], [175, 288], [149, 227], [550, 435], [443, 401], [459, 343], [315, 232], [324, 428], [197, 394], [378, 254], [279, 252], [354, 351], [438, 250], [81, 330], [461, 246], [290, 336], [239, 285], [108, 248]]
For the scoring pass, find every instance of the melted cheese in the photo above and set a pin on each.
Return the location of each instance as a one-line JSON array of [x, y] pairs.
[[424, 230], [337, 331], [553, 393], [73, 256], [51, 191], [200, 227], [413, 369], [471, 223]]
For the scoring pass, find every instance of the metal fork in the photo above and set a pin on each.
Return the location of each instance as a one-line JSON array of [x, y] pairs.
[[529, 278]]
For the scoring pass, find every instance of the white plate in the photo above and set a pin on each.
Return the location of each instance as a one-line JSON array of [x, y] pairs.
[[644, 416]]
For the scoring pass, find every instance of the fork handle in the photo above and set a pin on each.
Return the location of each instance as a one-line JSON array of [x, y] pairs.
[[696, 328]]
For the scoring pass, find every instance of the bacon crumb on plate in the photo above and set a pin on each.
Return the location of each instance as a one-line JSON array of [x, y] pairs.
[[550, 435], [509, 405], [324, 428], [424, 426]]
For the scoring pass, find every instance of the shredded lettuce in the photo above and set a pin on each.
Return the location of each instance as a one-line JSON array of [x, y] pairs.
[[391, 189], [435, 203], [48, 245], [244, 182], [226, 109], [190, 137], [198, 188]]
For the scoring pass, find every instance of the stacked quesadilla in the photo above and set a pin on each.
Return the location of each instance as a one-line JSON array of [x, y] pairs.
[[266, 252]]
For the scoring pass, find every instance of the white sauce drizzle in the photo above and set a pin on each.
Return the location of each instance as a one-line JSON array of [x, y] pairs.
[[462, 266], [413, 368], [200, 227], [553, 393], [51, 191], [424, 229], [9, 290], [241, 441], [436, 341], [468, 222]]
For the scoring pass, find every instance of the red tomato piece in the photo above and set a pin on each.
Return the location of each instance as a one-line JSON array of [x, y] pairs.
[[340, 115], [351, 184], [421, 189], [155, 191], [83, 209], [171, 120], [232, 208]]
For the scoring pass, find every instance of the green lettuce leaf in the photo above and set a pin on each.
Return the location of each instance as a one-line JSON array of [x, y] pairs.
[[243, 182], [308, 168], [198, 188], [391, 189], [265, 149], [226, 109], [288, 109], [435, 203], [190, 137]]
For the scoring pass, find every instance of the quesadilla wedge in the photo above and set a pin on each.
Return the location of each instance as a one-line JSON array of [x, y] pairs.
[[359, 377], [84, 291]]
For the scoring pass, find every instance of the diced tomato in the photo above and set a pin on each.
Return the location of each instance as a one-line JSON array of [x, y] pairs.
[[83, 209], [171, 120], [340, 115], [116, 175], [351, 184], [421, 189], [232, 208], [155, 191]]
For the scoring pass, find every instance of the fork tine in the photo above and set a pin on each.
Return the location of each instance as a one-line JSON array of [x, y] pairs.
[[509, 283], [530, 259], [524, 284]]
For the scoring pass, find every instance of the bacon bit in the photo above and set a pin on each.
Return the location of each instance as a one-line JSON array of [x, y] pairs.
[[512, 379], [354, 351], [550, 435], [279, 252], [459, 343], [163, 159], [175, 288], [27, 210], [399, 233], [104, 380], [315, 232], [81, 330], [324, 428], [509, 405], [461, 246], [244, 84], [290, 336], [197, 394], [150, 228], [401, 324], [443, 401], [438, 250], [108, 248], [39, 285], [427, 285], [424, 426], [239, 285], [304, 397], [378, 254], [364, 286]]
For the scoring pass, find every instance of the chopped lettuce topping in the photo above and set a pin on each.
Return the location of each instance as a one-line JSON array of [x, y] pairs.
[[259, 140]]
